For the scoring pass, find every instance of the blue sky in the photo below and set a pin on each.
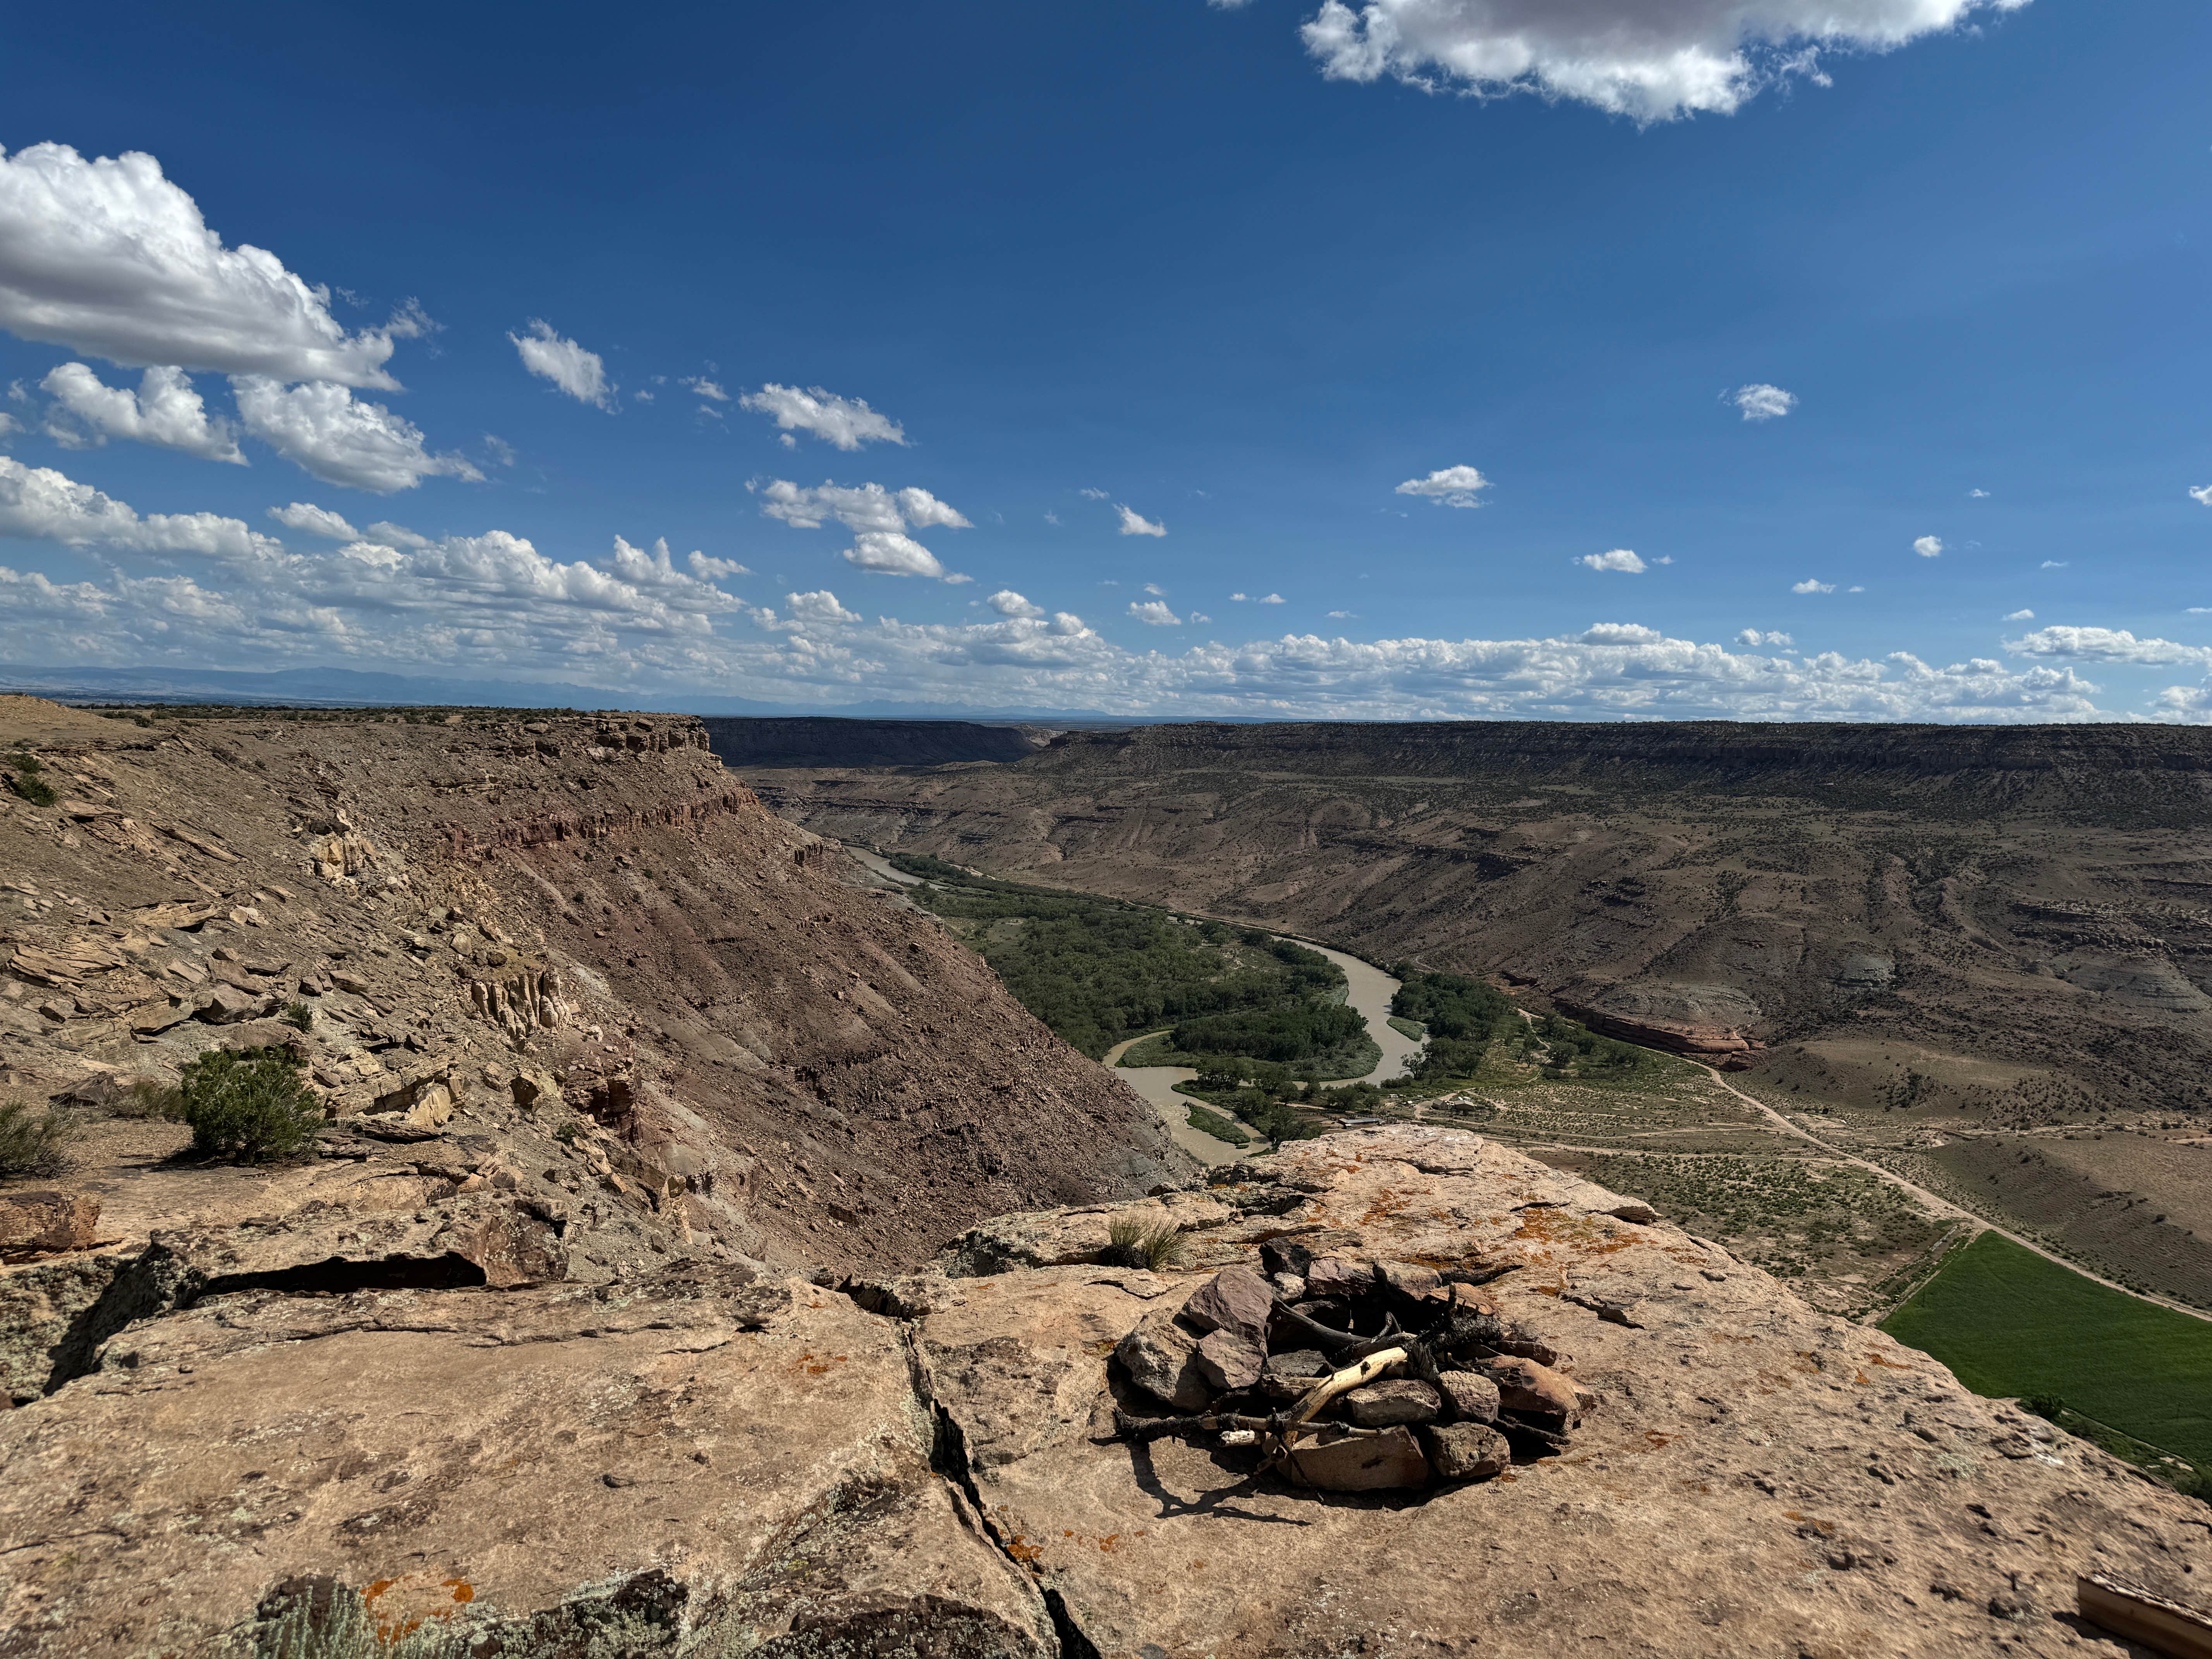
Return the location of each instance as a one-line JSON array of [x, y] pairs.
[[1239, 274]]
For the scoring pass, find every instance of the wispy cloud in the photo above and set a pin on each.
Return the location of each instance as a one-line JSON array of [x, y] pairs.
[[553, 356], [843, 422], [1134, 523], [1762, 402]]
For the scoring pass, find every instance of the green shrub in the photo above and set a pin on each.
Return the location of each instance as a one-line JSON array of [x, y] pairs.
[[249, 1105], [566, 1133], [25, 781], [34, 1140], [299, 1014], [1132, 1242], [1221, 1128], [147, 1098]]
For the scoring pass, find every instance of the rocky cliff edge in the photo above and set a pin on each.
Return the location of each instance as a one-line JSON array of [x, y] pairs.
[[717, 1460]]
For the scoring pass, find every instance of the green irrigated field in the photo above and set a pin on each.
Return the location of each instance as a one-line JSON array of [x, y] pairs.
[[2010, 1323]]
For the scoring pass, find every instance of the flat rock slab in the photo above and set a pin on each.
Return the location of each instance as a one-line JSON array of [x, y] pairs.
[[1753, 1478], [728, 1464]]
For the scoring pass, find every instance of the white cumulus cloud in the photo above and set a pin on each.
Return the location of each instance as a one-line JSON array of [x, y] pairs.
[[1153, 614], [2020, 616], [1752, 637], [864, 507], [311, 521], [1136, 523], [321, 427], [894, 554], [878, 517], [1619, 558], [846, 423], [1008, 603], [165, 412], [1448, 486], [1928, 547], [1762, 402], [2104, 645], [819, 606], [40, 504], [553, 356], [1653, 60], [1620, 634], [2202, 495], [1812, 584], [707, 568], [109, 257]]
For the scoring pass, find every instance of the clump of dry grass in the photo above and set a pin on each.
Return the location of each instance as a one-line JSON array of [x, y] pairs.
[[1134, 1241]]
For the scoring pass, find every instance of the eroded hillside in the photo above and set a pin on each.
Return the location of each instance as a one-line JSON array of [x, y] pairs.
[[567, 969]]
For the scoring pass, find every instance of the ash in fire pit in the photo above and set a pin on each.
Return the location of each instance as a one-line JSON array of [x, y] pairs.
[[1350, 1375]]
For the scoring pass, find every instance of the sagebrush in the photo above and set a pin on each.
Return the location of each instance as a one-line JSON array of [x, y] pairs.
[[34, 1139]]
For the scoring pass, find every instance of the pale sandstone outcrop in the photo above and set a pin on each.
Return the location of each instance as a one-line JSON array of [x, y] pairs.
[[704, 1460]]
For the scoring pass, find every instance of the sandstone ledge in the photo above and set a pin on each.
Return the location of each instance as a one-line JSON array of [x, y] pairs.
[[709, 1462]]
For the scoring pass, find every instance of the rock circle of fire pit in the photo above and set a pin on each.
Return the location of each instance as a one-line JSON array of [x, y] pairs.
[[1349, 1376]]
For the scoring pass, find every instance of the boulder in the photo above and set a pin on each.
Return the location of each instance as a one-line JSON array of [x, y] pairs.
[[1236, 1299], [1333, 1276], [226, 1005], [37, 1222], [1469, 1397], [1228, 1361], [1337, 1461], [1161, 1358], [1299, 1362], [1525, 1385], [1466, 1451], [1410, 1280], [1380, 1405]]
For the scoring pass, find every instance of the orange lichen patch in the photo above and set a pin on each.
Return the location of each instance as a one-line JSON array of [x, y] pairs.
[[399, 1607], [1657, 1439], [1861, 1379], [1582, 1234], [1808, 1362], [1889, 1365], [1023, 1550], [814, 1366]]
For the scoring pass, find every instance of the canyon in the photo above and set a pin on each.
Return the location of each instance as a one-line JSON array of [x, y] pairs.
[[701, 1253]]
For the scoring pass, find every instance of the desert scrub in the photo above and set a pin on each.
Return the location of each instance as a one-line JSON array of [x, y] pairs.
[[1134, 1241], [23, 778], [34, 1139], [249, 1105], [299, 1014], [146, 1097]]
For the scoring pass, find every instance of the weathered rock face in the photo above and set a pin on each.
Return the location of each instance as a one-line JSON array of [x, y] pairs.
[[569, 959], [695, 1463], [708, 1459]]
